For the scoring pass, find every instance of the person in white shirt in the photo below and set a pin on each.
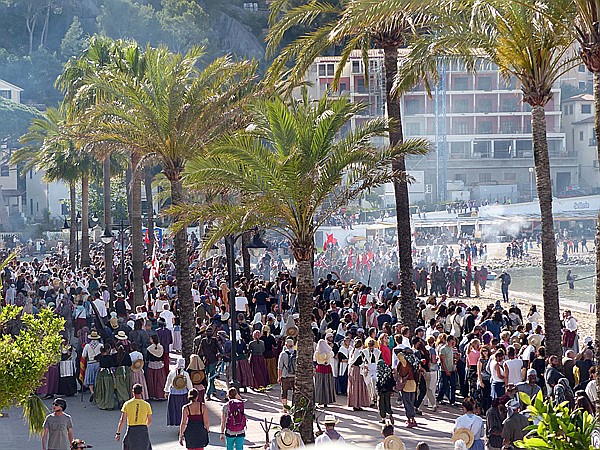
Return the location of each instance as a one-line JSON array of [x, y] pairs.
[[100, 306], [473, 422], [330, 435], [11, 293], [241, 302], [512, 367], [168, 316]]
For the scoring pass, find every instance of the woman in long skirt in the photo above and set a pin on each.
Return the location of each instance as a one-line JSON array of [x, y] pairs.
[[257, 361], [50, 385], [270, 358], [194, 423], [358, 394], [137, 370], [122, 375], [155, 373], [324, 384], [67, 383], [176, 345], [243, 369], [104, 388], [177, 386]]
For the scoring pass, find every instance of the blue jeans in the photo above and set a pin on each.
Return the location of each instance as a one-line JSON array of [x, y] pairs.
[[504, 292], [211, 373], [237, 442], [447, 387]]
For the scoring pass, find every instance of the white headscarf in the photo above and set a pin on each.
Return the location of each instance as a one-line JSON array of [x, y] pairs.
[[323, 346], [257, 318]]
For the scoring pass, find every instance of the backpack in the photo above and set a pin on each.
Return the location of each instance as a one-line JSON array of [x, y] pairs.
[[291, 365], [236, 419]]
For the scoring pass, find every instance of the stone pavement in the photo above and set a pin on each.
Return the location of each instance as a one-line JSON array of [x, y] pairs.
[[97, 427]]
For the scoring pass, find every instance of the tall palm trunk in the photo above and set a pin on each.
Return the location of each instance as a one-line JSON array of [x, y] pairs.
[[304, 392], [184, 286], [246, 254], [73, 227], [408, 304], [108, 248], [85, 225], [149, 207], [137, 246], [597, 132], [552, 322], [128, 192]]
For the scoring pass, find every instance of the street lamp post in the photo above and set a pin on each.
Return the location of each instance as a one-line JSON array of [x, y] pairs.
[[66, 227], [531, 182], [107, 238]]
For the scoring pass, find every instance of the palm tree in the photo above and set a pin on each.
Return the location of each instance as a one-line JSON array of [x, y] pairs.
[[170, 115], [531, 45], [48, 148], [291, 175], [105, 54], [349, 25]]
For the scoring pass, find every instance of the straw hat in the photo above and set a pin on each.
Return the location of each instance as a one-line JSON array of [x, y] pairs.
[[195, 363], [197, 376], [292, 331], [465, 435], [287, 439], [393, 443], [114, 322], [322, 358], [330, 419], [137, 365], [121, 335], [94, 335], [535, 340], [179, 382]]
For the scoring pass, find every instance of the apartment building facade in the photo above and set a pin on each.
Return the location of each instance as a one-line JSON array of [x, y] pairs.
[[478, 125]]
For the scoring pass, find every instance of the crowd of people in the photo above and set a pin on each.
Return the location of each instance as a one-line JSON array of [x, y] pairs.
[[364, 355]]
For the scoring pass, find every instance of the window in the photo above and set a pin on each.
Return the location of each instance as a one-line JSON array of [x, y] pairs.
[[586, 109], [485, 105], [413, 129], [581, 135], [509, 104], [461, 105], [4, 170], [30, 174], [360, 86], [510, 176], [508, 127], [326, 70], [460, 177], [31, 207], [570, 109], [485, 177], [412, 107], [460, 150], [482, 149], [6, 94], [461, 83], [581, 68], [582, 85], [484, 127], [461, 128], [343, 87], [510, 84], [356, 67], [484, 83]]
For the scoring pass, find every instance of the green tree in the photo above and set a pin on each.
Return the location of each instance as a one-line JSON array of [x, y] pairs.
[[74, 42], [526, 43], [185, 22], [25, 356], [15, 118], [558, 427], [170, 115], [350, 26], [292, 174], [128, 19]]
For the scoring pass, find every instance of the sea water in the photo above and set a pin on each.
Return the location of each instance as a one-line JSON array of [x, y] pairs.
[[526, 283]]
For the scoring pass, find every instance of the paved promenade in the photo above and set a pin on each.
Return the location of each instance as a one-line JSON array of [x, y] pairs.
[[97, 427]]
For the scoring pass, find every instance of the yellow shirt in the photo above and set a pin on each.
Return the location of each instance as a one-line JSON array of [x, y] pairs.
[[137, 411]]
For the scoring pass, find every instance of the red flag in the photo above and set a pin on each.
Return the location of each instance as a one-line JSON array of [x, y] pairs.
[[82, 367], [350, 261], [146, 237], [330, 240]]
